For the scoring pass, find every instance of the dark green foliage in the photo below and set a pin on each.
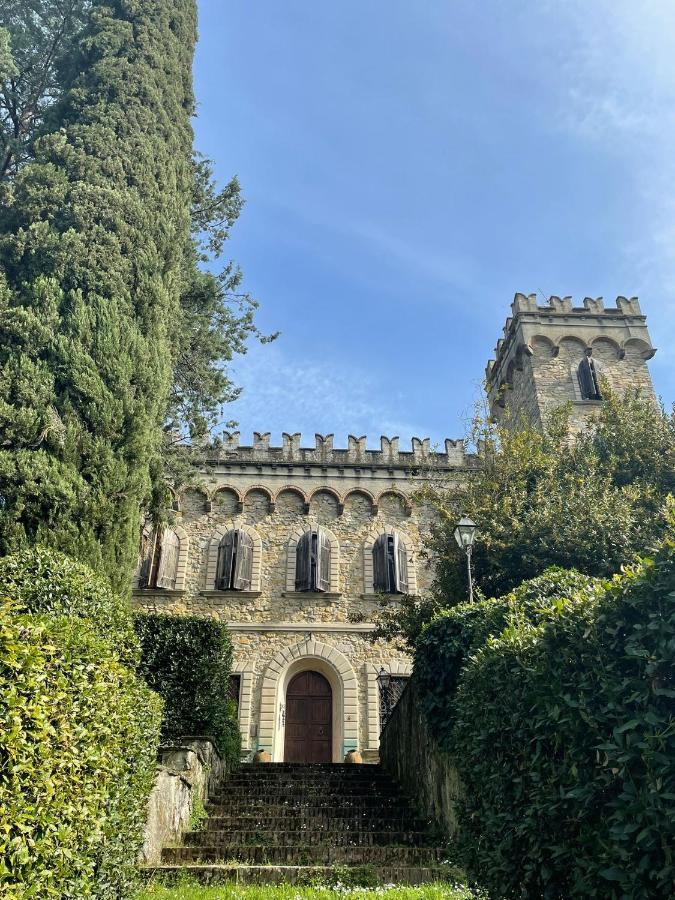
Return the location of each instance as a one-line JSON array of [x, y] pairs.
[[449, 641], [35, 70], [188, 661], [563, 731], [94, 233], [593, 502], [78, 739], [40, 580]]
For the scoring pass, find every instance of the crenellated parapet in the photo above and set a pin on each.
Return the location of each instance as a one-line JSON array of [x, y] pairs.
[[608, 334], [291, 452]]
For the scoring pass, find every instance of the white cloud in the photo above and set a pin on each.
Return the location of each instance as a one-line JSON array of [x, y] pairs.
[[309, 396]]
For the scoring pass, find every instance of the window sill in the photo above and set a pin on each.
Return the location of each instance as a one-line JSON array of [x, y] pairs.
[[314, 595], [382, 596], [232, 594], [157, 592]]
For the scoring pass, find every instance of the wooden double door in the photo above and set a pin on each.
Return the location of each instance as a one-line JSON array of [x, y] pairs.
[[309, 719]]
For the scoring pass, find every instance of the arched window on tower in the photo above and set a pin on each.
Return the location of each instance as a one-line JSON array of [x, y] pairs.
[[588, 380], [312, 562], [159, 559], [390, 564], [235, 561]]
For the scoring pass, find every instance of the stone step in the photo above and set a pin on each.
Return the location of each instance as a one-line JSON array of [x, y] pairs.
[[209, 837], [307, 855], [206, 873], [300, 787], [341, 820], [300, 800]]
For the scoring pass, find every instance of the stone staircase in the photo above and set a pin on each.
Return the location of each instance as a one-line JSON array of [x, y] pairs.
[[281, 822]]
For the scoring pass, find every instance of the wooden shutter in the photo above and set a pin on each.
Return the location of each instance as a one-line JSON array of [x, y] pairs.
[[588, 380], [148, 538], [243, 565], [596, 380], [380, 564], [225, 561], [323, 565], [391, 563], [401, 567], [303, 563], [168, 560]]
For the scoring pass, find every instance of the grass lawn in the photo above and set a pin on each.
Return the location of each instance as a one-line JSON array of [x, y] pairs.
[[190, 891]]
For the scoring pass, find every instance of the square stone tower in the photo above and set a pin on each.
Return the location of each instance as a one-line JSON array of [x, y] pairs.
[[557, 353]]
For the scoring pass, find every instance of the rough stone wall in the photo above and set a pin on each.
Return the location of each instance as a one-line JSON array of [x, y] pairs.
[[411, 755], [190, 770], [536, 361], [349, 511]]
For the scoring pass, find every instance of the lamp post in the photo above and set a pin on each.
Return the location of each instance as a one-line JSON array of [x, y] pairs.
[[384, 684], [465, 532]]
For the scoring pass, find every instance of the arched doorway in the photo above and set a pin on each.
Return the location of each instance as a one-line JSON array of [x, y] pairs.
[[309, 719]]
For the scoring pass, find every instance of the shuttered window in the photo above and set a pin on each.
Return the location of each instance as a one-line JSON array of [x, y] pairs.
[[588, 380], [312, 562], [390, 565], [235, 561], [146, 555], [168, 560]]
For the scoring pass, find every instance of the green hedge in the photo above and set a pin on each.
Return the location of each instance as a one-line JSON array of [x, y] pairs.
[[78, 738], [564, 736], [45, 581], [188, 661], [448, 641]]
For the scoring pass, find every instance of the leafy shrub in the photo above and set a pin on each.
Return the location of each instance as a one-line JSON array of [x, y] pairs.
[[78, 738], [41, 580], [564, 737], [188, 661], [448, 641]]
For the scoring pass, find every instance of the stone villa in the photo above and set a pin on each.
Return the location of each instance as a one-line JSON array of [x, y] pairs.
[[290, 545]]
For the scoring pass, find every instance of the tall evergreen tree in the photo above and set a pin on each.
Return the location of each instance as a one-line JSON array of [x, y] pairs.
[[94, 234]]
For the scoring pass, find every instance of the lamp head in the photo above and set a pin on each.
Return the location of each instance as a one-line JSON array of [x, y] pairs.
[[465, 532]]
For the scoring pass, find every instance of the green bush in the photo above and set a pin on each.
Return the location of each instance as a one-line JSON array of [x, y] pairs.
[[564, 737], [188, 661], [448, 641], [41, 580], [78, 738]]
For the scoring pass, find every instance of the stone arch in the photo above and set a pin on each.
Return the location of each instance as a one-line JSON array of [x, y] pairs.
[[212, 560], [293, 489], [570, 345], [334, 665], [637, 347], [542, 347], [331, 492], [296, 534], [193, 490], [359, 491], [393, 492], [263, 489], [225, 489], [605, 348], [369, 575]]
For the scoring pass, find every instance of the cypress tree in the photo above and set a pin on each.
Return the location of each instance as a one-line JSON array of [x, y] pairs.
[[94, 235]]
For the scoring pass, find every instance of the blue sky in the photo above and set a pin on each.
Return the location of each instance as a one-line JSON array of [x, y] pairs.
[[409, 166]]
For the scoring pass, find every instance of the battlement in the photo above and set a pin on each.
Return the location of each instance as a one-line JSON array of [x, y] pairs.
[[291, 452], [558, 319]]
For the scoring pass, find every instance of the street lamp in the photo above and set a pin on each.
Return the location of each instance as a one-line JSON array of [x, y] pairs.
[[465, 532], [384, 684]]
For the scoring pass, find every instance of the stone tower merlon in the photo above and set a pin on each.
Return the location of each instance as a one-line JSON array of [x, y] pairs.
[[452, 455], [537, 362]]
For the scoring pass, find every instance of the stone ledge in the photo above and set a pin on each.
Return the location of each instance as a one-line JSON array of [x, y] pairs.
[[313, 595], [230, 594]]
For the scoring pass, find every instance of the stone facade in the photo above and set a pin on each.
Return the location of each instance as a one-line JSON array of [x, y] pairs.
[[536, 361], [274, 495]]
